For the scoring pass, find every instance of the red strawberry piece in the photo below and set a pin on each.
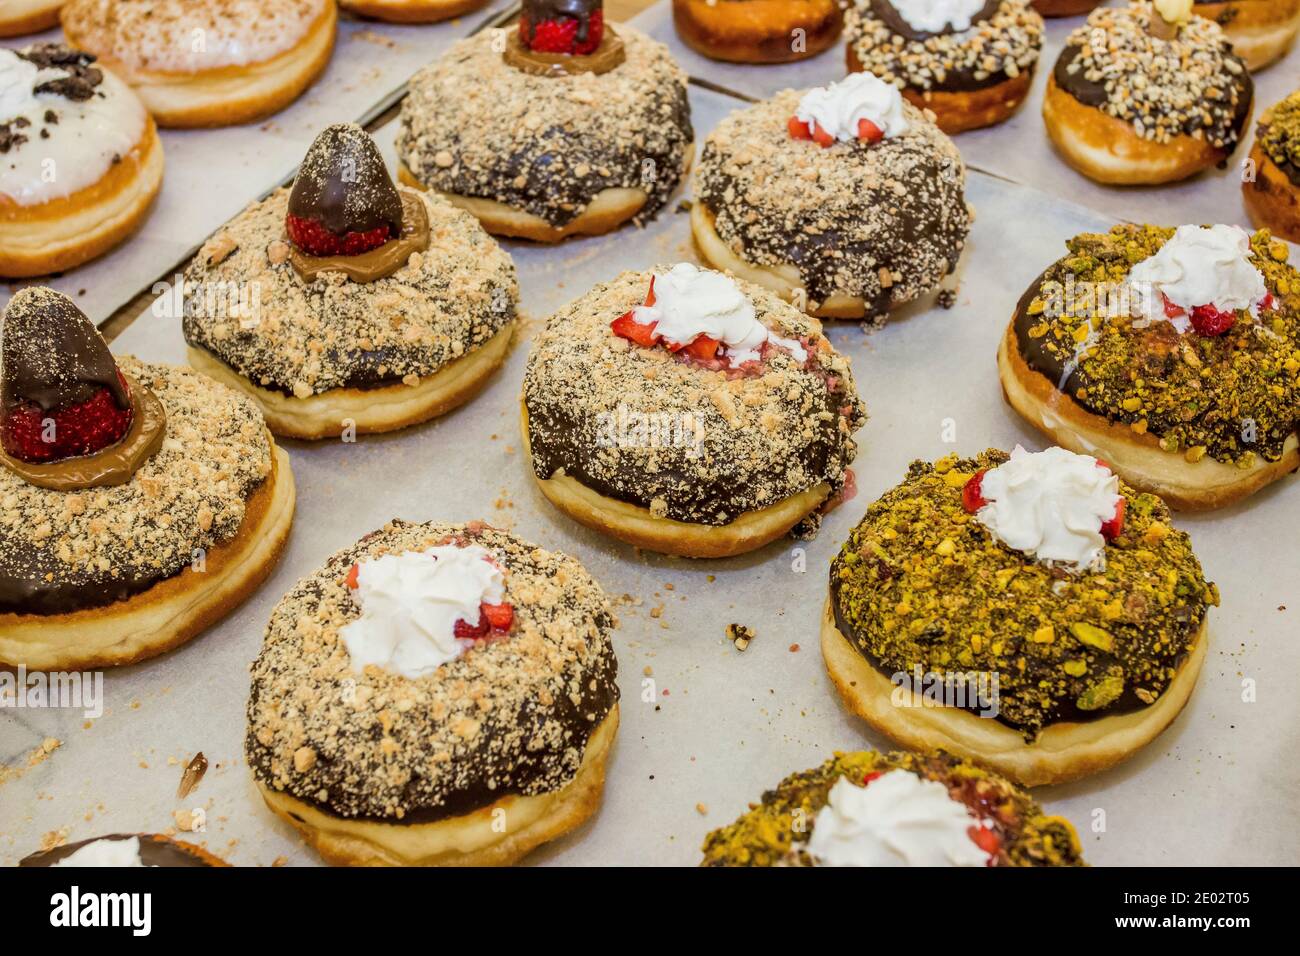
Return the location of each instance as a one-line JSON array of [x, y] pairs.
[[821, 137], [561, 34], [971, 498], [31, 434], [471, 632], [650, 296], [703, 348], [1267, 303], [352, 576], [874, 775], [986, 839], [499, 616], [869, 132], [1171, 311], [1209, 321], [799, 129], [1104, 465], [1110, 530], [626, 326], [315, 240]]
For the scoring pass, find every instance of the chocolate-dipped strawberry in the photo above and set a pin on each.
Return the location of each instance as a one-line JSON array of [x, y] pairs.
[[562, 26], [70, 417], [343, 201]]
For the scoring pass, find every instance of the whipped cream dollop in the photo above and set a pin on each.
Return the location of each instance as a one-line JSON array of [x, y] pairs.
[[899, 819], [934, 16], [838, 108], [410, 603], [105, 853], [1051, 505], [690, 302], [1200, 265]]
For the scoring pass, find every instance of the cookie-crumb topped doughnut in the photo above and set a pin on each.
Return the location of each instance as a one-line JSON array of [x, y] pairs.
[[411, 11], [20, 17], [1052, 610], [376, 307], [124, 849], [1272, 194], [968, 61], [895, 809], [544, 157], [435, 695], [1261, 31], [1128, 104], [758, 31], [60, 110], [208, 62], [790, 194], [684, 412], [1171, 353], [140, 502]]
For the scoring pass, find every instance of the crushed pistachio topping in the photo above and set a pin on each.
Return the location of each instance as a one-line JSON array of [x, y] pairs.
[[773, 832], [921, 582], [1232, 396], [1279, 131]]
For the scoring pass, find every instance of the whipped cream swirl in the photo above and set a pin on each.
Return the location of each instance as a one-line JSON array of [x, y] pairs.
[[899, 819], [1200, 265], [690, 302], [1051, 505], [105, 853], [935, 16], [410, 603], [838, 108]]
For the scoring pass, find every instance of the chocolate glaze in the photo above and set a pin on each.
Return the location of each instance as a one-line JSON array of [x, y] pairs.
[[155, 850], [539, 11], [1289, 169], [888, 13], [344, 185]]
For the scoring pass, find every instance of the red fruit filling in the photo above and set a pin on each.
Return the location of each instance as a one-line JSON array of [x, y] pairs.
[[868, 132], [1207, 320], [971, 499], [986, 839], [32, 434], [874, 775], [1110, 530], [495, 618], [315, 240], [561, 35]]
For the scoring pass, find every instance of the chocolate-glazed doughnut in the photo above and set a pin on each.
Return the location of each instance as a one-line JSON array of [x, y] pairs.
[[145, 849], [758, 31], [418, 759], [1261, 31], [970, 62], [547, 157], [1272, 194], [1094, 646]]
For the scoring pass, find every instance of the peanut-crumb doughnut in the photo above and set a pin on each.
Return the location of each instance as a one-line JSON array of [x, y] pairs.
[[847, 228], [544, 157], [387, 742], [1067, 649], [124, 849], [359, 344], [1272, 195], [758, 31], [1197, 402], [411, 11], [968, 61], [700, 452], [1124, 106], [199, 63], [60, 110], [909, 822], [121, 545], [20, 17], [1261, 31]]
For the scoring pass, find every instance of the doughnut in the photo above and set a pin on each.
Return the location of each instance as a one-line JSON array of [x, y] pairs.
[[411, 11], [548, 156], [758, 31], [1166, 109], [200, 63], [1091, 335], [124, 849], [1272, 194], [390, 731], [895, 809], [984, 50], [1029, 612], [142, 502], [375, 307], [20, 17], [707, 422], [1261, 31], [845, 226], [61, 113]]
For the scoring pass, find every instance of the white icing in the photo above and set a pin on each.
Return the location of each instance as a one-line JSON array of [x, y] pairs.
[[1051, 505], [79, 148], [1200, 266], [933, 16], [690, 302], [838, 108], [899, 819], [105, 853], [410, 604]]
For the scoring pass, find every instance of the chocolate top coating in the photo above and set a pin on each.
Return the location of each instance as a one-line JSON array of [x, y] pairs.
[[344, 185], [155, 850]]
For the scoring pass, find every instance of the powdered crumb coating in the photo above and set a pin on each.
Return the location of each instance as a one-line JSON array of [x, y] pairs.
[[885, 222], [191, 494], [763, 437], [510, 716], [773, 832], [474, 126], [307, 338]]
